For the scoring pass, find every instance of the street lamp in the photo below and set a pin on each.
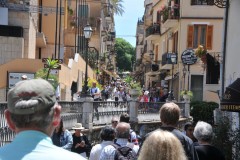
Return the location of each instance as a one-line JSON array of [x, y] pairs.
[[87, 33], [173, 61]]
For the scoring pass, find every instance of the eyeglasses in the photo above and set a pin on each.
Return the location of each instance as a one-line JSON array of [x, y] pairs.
[[114, 121]]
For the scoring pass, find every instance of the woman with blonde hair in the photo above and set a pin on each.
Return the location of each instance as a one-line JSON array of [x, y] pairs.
[[162, 145]]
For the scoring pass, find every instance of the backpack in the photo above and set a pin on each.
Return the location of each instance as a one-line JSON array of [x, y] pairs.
[[135, 141], [124, 153]]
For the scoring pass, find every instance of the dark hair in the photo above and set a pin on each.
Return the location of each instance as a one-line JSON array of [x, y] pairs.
[[124, 118], [107, 133], [187, 125], [60, 128]]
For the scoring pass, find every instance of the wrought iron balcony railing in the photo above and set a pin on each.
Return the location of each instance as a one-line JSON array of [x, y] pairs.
[[154, 29]]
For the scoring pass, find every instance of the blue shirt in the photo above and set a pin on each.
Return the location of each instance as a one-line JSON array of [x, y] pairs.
[[35, 145], [65, 140]]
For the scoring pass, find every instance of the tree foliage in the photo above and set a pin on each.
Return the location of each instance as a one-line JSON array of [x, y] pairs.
[[203, 111], [42, 73], [45, 73], [125, 54], [227, 139], [117, 7]]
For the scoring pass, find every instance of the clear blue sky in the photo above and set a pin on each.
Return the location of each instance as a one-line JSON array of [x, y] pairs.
[[126, 24]]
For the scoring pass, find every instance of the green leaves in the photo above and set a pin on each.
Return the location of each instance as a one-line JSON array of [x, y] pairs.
[[203, 111], [45, 72], [52, 63], [117, 7], [125, 53]]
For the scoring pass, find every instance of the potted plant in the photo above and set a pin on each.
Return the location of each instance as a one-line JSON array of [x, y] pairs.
[[164, 12], [135, 89], [186, 94], [201, 52]]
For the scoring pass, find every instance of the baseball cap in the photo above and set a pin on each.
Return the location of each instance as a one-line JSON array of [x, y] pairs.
[[30, 96]]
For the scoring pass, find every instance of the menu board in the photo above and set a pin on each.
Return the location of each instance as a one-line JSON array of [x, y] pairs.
[[15, 77], [189, 57]]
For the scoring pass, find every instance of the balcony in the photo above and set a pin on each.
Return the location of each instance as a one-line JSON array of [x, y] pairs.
[[166, 62], [170, 17], [41, 40], [153, 32]]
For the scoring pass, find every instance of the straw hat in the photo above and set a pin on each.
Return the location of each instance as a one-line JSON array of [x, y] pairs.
[[24, 77], [78, 126]]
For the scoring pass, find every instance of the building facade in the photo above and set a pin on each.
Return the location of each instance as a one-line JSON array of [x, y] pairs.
[[174, 27], [35, 29]]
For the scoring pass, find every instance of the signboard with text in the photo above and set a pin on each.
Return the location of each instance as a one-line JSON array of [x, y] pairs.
[[189, 57], [14, 77]]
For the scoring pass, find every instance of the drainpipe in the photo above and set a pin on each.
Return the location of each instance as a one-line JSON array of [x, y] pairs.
[[56, 32], [60, 28], [224, 47], [40, 29]]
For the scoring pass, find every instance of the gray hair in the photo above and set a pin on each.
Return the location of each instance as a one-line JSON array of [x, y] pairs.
[[40, 119], [203, 131]]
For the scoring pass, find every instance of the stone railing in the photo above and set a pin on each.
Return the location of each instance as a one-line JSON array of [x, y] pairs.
[[98, 113]]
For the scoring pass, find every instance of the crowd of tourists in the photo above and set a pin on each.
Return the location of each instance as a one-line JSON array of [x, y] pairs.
[[34, 115]]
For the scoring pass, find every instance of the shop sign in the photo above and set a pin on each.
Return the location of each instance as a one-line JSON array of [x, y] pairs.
[[188, 57]]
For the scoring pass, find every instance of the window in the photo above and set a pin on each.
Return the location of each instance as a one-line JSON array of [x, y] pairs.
[[200, 34], [175, 42], [83, 11], [159, 17], [81, 44], [199, 2]]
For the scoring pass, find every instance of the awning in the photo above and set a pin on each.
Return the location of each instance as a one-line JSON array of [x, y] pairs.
[[112, 74], [166, 67], [151, 73], [231, 101], [108, 72], [115, 75]]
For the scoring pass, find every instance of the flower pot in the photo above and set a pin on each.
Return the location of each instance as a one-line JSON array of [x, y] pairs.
[[186, 97], [134, 93]]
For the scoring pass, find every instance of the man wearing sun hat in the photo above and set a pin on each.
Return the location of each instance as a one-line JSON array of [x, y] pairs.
[[81, 144], [33, 114], [24, 77]]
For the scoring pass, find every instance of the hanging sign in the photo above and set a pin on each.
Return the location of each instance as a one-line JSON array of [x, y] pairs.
[[188, 57]]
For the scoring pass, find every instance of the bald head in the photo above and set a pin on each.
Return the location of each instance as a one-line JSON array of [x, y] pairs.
[[123, 130]]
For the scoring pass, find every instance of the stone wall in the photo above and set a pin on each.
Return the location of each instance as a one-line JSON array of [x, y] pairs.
[[10, 48]]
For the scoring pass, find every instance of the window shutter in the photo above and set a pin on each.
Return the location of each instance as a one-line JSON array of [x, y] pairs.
[[209, 37], [190, 37]]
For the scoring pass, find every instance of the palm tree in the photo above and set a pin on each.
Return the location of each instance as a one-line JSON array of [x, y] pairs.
[[51, 64], [117, 6]]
